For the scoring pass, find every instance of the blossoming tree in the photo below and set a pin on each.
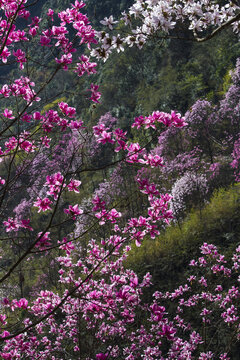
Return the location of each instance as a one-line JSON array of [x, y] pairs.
[[44, 157], [168, 19]]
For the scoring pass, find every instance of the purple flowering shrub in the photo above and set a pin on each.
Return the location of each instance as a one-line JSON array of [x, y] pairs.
[[236, 157], [188, 192]]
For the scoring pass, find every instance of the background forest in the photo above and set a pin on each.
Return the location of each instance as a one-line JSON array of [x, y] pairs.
[[201, 172]]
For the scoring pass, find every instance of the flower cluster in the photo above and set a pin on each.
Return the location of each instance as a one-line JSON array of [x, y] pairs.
[[166, 119], [108, 305], [156, 16]]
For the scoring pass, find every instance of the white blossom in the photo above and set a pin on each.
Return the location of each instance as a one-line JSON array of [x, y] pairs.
[[164, 15], [109, 22]]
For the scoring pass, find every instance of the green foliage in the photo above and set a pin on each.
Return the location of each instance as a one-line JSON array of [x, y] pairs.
[[169, 75], [227, 81]]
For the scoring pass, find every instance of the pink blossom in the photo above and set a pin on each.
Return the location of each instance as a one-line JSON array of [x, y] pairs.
[[26, 117], [11, 225], [50, 13], [33, 31], [2, 181], [105, 137], [45, 41], [25, 224], [65, 60], [21, 57], [43, 241], [37, 115], [22, 303], [73, 211], [45, 141], [67, 110], [167, 331], [43, 204], [8, 114], [95, 94], [73, 185], [101, 356], [85, 66], [5, 54], [75, 124], [98, 203]]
